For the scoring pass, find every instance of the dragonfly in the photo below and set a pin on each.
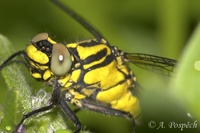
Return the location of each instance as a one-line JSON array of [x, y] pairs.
[[90, 74]]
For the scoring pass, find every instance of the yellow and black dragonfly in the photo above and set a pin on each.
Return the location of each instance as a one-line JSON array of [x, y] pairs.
[[90, 74]]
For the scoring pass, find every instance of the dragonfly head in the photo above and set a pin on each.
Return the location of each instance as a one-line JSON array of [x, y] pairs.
[[47, 57]]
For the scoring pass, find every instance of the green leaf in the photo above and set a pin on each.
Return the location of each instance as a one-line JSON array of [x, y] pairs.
[[18, 91], [186, 85]]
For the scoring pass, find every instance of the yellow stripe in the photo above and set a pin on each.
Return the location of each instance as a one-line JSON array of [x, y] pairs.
[[51, 41], [36, 75], [113, 93], [76, 94], [38, 66], [107, 75], [86, 66], [128, 103], [75, 75], [36, 55], [87, 51], [47, 74], [64, 80], [71, 45]]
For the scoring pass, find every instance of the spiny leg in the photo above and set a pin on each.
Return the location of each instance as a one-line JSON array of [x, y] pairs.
[[9, 59], [70, 114], [27, 115], [97, 107]]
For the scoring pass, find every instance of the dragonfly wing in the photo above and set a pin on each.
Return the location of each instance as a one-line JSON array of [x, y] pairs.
[[153, 63]]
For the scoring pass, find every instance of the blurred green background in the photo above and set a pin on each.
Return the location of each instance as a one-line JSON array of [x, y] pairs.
[[158, 27]]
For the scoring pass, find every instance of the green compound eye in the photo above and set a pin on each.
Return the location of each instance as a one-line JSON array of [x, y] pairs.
[[61, 61], [39, 37]]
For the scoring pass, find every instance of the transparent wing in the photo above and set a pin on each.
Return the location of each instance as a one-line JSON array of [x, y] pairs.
[[153, 63]]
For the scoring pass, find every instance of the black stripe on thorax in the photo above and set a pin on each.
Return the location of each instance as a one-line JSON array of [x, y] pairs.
[[89, 43], [100, 54], [107, 61]]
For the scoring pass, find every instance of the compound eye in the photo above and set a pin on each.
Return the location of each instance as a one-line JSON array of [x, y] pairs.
[[61, 61], [40, 37]]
